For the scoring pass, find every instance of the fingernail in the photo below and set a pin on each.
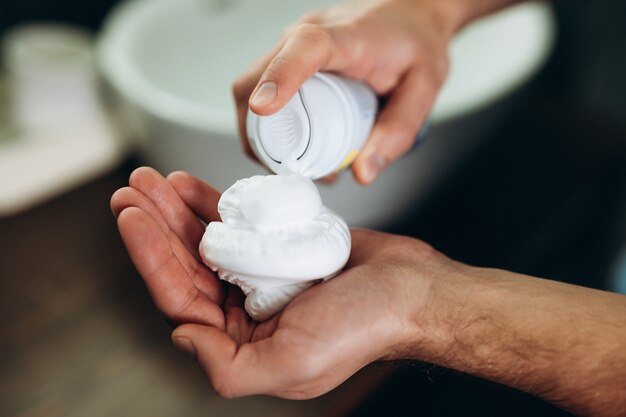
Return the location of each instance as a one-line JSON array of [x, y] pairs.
[[265, 94], [375, 164], [185, 345]]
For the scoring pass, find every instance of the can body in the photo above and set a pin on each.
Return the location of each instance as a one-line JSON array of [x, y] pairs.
[[319, 131]]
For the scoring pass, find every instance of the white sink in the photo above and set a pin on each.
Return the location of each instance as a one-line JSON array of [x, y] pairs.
[[170, 65]]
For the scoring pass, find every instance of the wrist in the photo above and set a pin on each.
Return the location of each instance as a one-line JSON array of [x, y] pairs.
[[462, 324], [434, 294], [449, 312]]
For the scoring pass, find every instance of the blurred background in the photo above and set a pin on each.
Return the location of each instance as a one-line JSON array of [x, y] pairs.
[[524, 168]]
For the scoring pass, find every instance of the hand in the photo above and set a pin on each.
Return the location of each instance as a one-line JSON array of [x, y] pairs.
[[159, 222], [321, 338], [397, 298], [324, 335], [398, 47]]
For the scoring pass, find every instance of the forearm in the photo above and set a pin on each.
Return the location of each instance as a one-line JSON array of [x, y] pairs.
[[564, 343]]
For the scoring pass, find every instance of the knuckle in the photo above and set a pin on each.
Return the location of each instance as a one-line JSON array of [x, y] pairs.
[[419, 250], [349, 37], [223, 382], [361, 23], [423, 247], [223, 387], [411, 245], [383, 84], [425, 48], [314, 33], [314, 16], [436, 69], [287, 31], [407, 248], [434, 61], [280, 66], [415, 50], [399, 140]]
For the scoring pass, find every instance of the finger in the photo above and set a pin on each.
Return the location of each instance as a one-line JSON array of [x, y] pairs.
[[242, 89], [204, 280], [199, 196], [180, 219], [266, 328], [396, 127], [214, 351], [130, 197], [167, 280], [309, 48], [238, 324], [253, 368], [202, 199]]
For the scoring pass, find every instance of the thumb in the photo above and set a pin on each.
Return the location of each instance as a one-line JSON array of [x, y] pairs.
[[309, 49], [213, 349], [252, 368]]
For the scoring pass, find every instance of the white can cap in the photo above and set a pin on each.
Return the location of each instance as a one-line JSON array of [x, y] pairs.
[[313, 131], [286, 134]]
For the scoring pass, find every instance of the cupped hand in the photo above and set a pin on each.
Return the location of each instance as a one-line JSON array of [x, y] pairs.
[[320, 339], [398, 47], [324, 335]]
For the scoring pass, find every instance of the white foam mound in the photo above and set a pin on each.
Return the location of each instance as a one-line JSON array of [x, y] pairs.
[[275, 240]]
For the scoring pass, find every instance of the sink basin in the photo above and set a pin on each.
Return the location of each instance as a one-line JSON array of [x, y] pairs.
[[170, 66]]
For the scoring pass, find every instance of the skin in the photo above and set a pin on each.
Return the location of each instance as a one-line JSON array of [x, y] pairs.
[[396, 298], [398, 47]]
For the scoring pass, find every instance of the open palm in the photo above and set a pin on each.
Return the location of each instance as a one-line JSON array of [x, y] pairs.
[[321, 338]]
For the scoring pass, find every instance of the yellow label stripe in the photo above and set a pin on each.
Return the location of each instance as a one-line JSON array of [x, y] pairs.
[[351, 156]]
